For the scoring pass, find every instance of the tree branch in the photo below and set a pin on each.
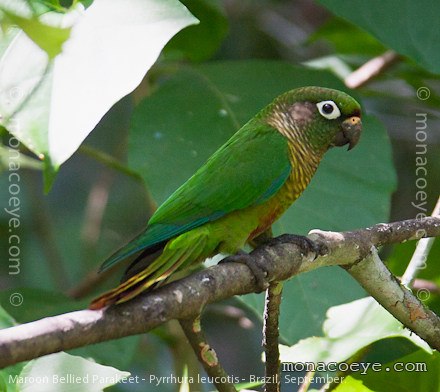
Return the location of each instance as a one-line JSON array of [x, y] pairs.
[[396, 298], [270, 339], [420, 254], [186, 298], [371, 69], [206, 355]]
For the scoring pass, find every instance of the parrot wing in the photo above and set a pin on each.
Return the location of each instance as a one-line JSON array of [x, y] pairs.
[[247, 170]]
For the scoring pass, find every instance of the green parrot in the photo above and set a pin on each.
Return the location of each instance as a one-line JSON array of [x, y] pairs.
[[245, 186]]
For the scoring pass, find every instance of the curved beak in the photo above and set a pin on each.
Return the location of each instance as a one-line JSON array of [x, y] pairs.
[[350, 133]]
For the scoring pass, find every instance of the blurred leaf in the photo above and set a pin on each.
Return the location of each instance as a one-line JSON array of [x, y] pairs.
[[51, 106], [71, 372], [47, 37], [23, 161], [347, 329], [419, 371], [37, 303], [174, 132], [39, 7], [406, 26], [347, 38], [350, 384], [6, 320], [330, 63], [200, 42], [401, 255]]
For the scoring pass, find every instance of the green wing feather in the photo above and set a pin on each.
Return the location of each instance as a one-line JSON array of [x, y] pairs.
[[247, 170]]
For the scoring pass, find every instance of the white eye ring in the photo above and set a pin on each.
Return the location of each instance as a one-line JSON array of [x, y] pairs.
[[328, 109]]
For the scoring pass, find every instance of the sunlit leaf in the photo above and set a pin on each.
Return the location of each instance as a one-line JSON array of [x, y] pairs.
[[51, 106], [72, 372], [347, 329]]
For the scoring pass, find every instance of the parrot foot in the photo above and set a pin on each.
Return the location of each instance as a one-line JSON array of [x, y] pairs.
[[260, 274], [304, 243]]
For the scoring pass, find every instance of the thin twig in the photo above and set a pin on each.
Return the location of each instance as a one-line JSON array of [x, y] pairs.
[[418, 260], [206, 355], [94, 212], [187, 297], [183, 356], [307, 381], [423, 284], [271, 335], [371, 69]]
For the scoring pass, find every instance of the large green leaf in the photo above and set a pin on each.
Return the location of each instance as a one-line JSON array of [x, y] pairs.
[[418, 371], [409, 27], [336, 31], [51, 106], [176, 129], [349, 328], [201, 41]]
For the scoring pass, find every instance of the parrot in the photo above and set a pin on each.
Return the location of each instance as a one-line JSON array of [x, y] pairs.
[[241, 190]]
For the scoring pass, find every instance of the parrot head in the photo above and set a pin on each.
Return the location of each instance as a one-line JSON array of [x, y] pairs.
[[317, 117]]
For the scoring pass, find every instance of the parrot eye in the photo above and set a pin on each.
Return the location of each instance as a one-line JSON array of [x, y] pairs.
[[328, 109]]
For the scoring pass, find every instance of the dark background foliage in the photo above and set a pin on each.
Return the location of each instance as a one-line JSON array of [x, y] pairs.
[[209, 79]]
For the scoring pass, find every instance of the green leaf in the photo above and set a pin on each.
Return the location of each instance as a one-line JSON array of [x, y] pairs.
[[406, 26], [348, 329], [36, 304], [6, 320], [350, 384], [22, 161], [200, 42], [68, 373], [174, 132], [51, 106], [49, 38], [336, 31], [418, 371]]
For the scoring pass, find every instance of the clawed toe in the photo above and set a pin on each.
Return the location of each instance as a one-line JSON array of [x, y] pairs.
[[259, 273], [304, 243]]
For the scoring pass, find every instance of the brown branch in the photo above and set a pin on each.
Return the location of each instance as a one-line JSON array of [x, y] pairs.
[[206, 355], [185, 298], [271, 334], [396, 298], [371, 69]]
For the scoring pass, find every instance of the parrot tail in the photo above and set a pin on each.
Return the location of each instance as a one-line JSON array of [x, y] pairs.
[[154, 274]]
